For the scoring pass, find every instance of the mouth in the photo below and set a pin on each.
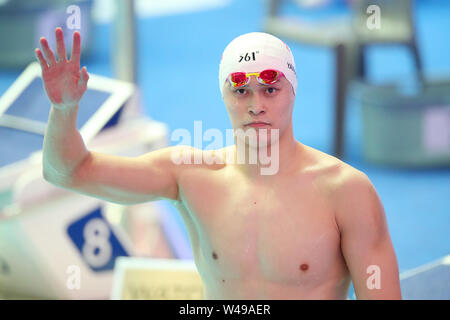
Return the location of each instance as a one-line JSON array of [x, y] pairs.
[[257, 124]]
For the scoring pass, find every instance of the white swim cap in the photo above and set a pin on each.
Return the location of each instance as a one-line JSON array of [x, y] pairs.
[[255, 52]]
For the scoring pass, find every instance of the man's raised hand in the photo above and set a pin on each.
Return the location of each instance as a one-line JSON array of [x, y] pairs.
[[64, 82]]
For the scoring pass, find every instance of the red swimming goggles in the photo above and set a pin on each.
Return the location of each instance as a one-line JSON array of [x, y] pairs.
[[267, 77]]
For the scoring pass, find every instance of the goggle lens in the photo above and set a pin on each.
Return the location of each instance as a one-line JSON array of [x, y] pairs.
[[268, 76], [239, 79]]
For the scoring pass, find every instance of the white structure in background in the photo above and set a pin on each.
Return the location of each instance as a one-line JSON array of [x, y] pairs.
[[156, 279], [312, 3], [104, 12], [55, 243]]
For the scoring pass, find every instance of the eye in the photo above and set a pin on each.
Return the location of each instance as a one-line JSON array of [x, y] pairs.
[[240, 91], [271, 90]]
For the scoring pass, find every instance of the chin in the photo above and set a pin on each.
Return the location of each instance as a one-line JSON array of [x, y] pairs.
[[264, 137]]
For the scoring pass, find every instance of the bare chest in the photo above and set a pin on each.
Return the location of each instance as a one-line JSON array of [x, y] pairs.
[[282, 232]]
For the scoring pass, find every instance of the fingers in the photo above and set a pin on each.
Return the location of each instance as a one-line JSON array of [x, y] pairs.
[[76, 48], [60, 47], [41, 59], [84, 77], [47, 52]]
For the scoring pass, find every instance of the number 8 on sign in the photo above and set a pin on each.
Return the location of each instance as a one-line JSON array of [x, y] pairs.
[[96, 249], [94, 238]]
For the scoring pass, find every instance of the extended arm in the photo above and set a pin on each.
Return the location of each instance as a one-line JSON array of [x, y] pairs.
[[66, 160]]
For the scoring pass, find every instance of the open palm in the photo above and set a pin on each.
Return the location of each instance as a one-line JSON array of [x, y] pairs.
[[64, 83]]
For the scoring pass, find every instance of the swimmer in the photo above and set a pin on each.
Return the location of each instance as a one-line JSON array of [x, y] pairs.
[[304, 232]]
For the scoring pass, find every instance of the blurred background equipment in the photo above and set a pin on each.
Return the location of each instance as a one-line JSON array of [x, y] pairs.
[[396, 27], [312, 3], [405, 124], [156, 279], [348, 36], [428, 282], [23, 22], [39, 221], [124, 48]]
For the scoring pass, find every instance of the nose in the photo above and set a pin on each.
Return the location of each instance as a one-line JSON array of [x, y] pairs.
[[256, 105]]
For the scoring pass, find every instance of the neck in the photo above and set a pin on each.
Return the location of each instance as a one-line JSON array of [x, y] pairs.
[[275, 158]]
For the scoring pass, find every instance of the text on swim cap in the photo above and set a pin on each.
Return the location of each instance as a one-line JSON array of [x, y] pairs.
[[290, 66], [248, 56]]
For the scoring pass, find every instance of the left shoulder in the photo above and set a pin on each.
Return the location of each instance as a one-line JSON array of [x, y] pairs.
[[351, 181], [338, 175], [355, 200], [340, 180]]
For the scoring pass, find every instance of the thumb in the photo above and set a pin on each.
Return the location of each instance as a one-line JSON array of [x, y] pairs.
[[84, 77]]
